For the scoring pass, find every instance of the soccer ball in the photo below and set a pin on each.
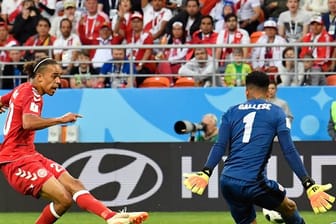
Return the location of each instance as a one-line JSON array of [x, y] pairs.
[[272, 216]]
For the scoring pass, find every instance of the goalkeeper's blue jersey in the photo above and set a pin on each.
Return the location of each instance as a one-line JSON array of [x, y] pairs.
[[247, 131]]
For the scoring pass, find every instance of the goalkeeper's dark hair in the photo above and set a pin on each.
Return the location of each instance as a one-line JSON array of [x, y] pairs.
[[258, 79], [33, 67]]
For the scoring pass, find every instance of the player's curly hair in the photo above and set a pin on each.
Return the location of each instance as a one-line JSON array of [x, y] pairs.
[[32, 67], [258, 79]]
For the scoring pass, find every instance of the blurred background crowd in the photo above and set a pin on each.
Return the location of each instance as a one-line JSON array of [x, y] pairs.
[[270, 25]]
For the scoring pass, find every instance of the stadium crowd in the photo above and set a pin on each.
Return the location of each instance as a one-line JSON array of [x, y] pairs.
[[74, 23]]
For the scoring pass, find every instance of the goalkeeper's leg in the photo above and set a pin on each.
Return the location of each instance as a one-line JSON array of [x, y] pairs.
[[289, 212]]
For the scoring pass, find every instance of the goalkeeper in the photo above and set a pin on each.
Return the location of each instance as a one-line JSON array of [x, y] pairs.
[[248, 130]]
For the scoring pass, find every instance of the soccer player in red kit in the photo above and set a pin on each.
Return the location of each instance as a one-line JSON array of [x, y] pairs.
[[28, 171]]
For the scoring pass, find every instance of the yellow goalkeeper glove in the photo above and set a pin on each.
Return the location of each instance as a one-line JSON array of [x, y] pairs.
[[197, 182], [320, 201]]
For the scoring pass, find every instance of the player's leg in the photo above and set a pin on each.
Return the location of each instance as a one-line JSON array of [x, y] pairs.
[[234, 192], [29, 177], [85, 200], [271, 195], [61, 199], [289, 212]]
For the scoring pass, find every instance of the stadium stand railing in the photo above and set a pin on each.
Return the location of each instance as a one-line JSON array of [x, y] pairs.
[[330, 81]]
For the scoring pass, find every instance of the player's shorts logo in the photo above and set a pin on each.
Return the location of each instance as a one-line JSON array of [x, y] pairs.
[[130, 177], [42, 173], [26, 174]]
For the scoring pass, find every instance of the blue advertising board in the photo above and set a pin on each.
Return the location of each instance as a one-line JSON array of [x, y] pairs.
[[149, 115]]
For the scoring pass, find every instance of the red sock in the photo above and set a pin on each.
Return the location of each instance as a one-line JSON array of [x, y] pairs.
[[47, 215], [86, 201]]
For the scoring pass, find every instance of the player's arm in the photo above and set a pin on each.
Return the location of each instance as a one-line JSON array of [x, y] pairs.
[[197, 182], [319, 199], [4, 101], [35, 122]]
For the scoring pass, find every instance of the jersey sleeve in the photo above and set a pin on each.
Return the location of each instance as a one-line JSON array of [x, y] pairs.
[[218, 149], [291, 155], [288, 148], [31, 103], [6, 98]]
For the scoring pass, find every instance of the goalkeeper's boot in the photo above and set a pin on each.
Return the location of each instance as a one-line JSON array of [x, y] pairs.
[[128, 218]]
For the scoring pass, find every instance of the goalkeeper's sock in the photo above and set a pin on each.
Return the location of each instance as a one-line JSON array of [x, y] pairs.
[[48, 215], [294, 219], [86, 201]]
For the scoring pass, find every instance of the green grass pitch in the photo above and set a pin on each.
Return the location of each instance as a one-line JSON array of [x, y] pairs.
[[161, 218]]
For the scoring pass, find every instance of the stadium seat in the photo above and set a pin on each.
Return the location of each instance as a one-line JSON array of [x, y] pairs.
[[155, 82], [255, 36], [185, 82], [331, 80], [64, 83]]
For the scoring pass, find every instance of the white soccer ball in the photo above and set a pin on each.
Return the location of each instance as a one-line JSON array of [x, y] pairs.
[[272, 216]]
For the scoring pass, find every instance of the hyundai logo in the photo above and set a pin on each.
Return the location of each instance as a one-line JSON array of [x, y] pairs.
[[129, 173]]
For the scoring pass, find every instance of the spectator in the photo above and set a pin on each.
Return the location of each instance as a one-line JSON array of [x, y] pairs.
[[173, 57], [291, 73], [272, 97], [6, 40], [109, 7], [10, 9], [205, 35], [249, 13], [83, 73], [231, 34], [118, 68], [14, 69], [25, 23], [218, 13], [121, 24], [318, 34], [190, 17], [39, 54], [98, 56], [141, 55], [42, 38], [313, 76], [268, 58], [201, 68], [71, 13], [59, 11], [156, 18], [235, 72], [273, 8], [293, 23], [46, 7], [90, 23], [210, 129], [316, 6], [174, 6], [329, 18], [332, 122], [67, 39]]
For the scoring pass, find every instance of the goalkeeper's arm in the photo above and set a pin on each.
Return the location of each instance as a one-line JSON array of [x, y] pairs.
[[197, 182], [319, 199]]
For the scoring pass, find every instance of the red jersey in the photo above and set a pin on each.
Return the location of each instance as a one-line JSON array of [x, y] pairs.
[[91, 25], [10, 41], [138, 53], [18, 142]]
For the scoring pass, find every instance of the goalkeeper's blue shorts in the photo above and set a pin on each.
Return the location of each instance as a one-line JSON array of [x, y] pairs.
[[241, 197]]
